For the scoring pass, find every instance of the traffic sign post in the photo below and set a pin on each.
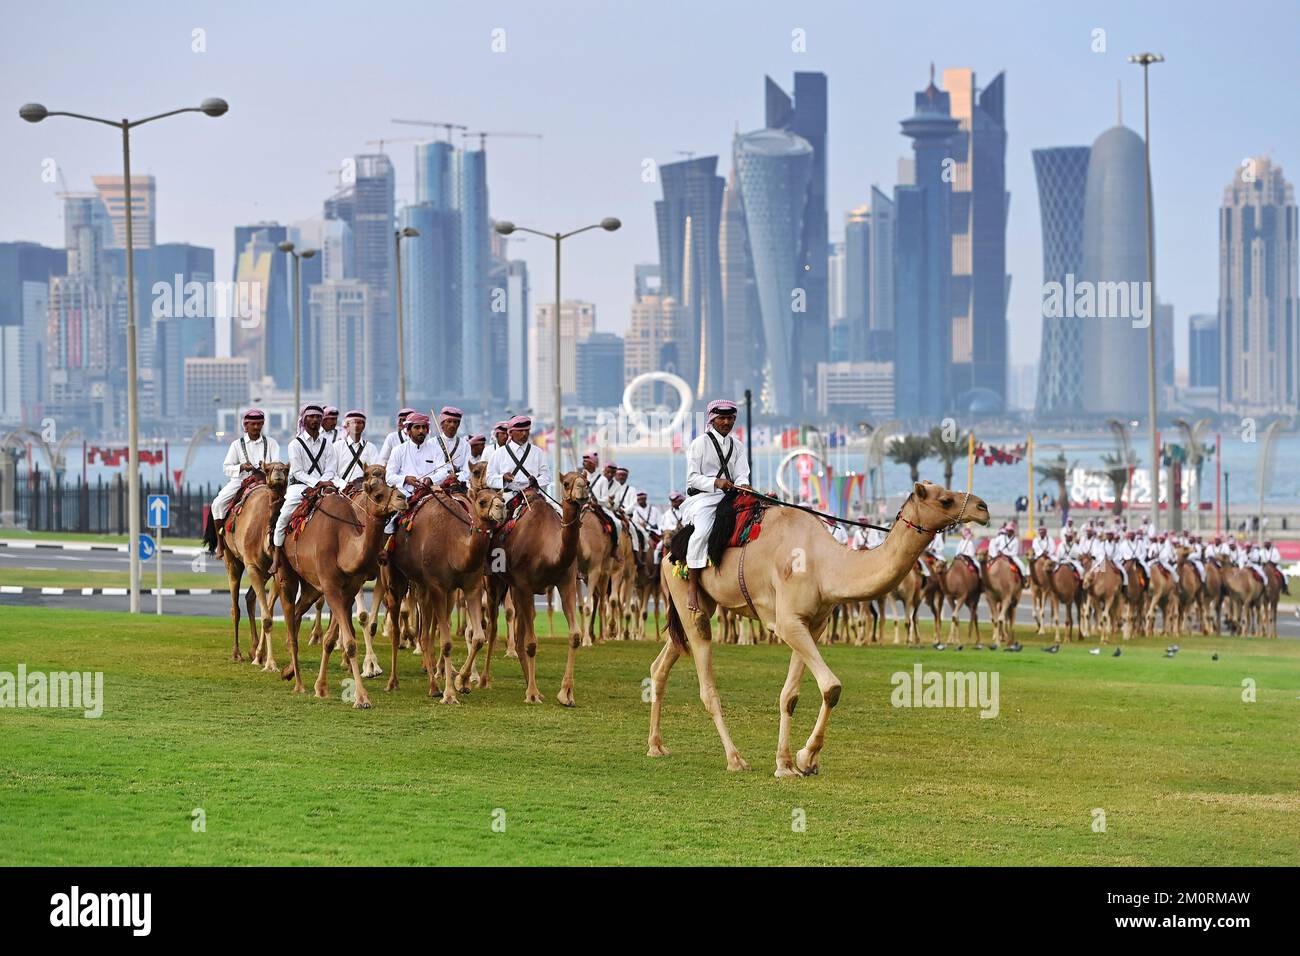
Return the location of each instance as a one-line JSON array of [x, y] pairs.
[[158, 513]]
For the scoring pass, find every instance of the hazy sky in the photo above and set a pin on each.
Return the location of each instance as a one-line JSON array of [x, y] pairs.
[[609, 84]]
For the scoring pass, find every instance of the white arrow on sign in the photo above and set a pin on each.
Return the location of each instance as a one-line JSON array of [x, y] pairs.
[[157, 511]]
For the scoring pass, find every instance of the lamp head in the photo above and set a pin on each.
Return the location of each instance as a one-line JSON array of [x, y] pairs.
[[33, 112], [285, 246], [610, 224], [307, 253], [214, 106], [505, 227], [410, 232]]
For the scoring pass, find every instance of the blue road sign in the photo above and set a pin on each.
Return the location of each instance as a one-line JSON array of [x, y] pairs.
[[147, 548], [158, 511]]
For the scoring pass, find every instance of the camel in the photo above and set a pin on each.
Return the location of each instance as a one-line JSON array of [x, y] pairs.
[[1162, 596], [445, 551], [248, 548], [1244, 591], [915, 590], [1135, 596], [1212, 595], [597, 555], [541, 553], [1003, 583], [1067, 592], [1040, 588], [333, 555], [793, 575], [962, 586], [1104, 586], [1190, 589], [1270, 598]]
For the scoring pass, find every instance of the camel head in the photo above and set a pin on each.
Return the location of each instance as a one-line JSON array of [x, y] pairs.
[[477, 475], [377, 496], [277, 476], [575, 486], [489, 505], [934, 507]]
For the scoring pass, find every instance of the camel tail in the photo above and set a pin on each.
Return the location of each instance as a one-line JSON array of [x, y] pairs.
[[675, 629]]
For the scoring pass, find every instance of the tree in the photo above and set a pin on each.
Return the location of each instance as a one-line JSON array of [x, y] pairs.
[[911, 450], [1117, 469], [1058, 471], [948, 452]]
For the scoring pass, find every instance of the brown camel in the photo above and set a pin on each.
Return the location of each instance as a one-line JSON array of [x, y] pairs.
[[247, 547], [333, 555], [1135, 596], [1190, 589], [597, 556], [1162, 596], [541, 553], [1003, 583], [1104, 586], [962, 586], [445, 550], [1212, 595], [794, 574], [913, 592], [1270, 598], [1040, 588], [1245, 592], [1067, 593]]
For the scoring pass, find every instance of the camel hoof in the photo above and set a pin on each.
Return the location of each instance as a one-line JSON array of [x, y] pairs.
[[566, 698], [361, 703], [449, 699], [299, 689], [237, 657], [271, 668], [808, 764], [322, 692], [534, 699], [392, 683], [737, 762], [786, 773], [483, 684], [657, 750]]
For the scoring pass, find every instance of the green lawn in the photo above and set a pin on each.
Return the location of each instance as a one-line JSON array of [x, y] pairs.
[[1185, 771], [61, 578]]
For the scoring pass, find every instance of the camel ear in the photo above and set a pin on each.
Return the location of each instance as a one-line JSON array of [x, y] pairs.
[[919, 490]]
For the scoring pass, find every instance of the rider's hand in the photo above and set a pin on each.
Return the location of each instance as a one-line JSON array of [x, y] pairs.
[[245, 466], [509, 476], [723, 484]]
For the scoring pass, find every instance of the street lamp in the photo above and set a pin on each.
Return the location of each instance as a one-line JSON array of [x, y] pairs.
[[288, 247], [505, 228], [410, 232], [1145, 60], [34, 113]]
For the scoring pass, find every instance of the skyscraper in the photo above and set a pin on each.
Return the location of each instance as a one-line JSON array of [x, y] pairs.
[[923, 264], [1258, 304], [1203, 351], [979, 236], [1062, 174], [857, 281], [25, 272], [651, 344], [805, 116], [341, 312], [600, 370], [1115, 258], [577, 323], [688, 219], [517, 364], [265, 335], [773, 168], [432, 319], [742, 355], [112, 190], [880, 334], [470, 194]]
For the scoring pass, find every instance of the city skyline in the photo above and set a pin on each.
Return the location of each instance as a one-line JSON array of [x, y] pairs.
[[572, 174]]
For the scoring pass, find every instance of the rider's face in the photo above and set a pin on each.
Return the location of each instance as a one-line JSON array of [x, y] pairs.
[[418, 433], [312, 423], [723, 424], [253, 427]]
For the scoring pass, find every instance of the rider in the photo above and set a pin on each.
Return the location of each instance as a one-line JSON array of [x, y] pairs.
[[353, 453], [1042, 544], [452, 451], [477, 444], [715, 464], [514, 467], [247, 453], [395, 438], [1271, 555], [329, 424], [312, 463]]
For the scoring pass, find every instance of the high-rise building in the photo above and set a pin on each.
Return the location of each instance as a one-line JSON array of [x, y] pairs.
[[176, 339], [112, 190], [577, 323], [264, 335], [342, 315], [431, 304], [742, 327], [1115, 269], [647, 279], [470, 194], [773, 168], [600, 370], [1203, 350], [214, 384], [857, 282], [25, 272], [854, 389], [980, 200], [517, 364], [923, 385], [651, 344], [880, 294], [688, 219], [1259, 371], [1164, 319], [804, 115], [1062, 174]]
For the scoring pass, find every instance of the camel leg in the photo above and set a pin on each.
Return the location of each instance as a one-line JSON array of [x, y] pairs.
[[525, 632], [512, 649], [428, 631], [329, 639], [492, 621], [394, 593], [474, 638], [341, 611], [371, 666], [702, 651], [440, 605], [234, 575], [265, 654], [659, 672], [797, 635], [786, 703], [250, 604], [569, 605], [289, 584], [315, 636]]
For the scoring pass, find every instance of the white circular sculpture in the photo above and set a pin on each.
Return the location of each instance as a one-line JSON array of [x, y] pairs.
[[637, 418], [791, 456]]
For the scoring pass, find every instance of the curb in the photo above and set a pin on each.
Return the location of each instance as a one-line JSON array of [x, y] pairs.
[[37, 545], [109, 592]]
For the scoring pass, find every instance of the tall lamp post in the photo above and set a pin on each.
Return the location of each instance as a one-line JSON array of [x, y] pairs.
[[1145, 60], [609, 224], [34, 113], [288, 247], [410, 232]]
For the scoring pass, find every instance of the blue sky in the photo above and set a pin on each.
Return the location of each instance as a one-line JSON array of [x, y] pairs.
[[610, 84]]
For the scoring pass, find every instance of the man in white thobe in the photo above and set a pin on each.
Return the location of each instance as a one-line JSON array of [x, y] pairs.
[[247, 453], [715, 464], [353, 453], [311, 464], [518, 464]]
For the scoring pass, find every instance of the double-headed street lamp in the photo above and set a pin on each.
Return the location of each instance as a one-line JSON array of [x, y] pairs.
[[288, 247], [609, 224], [34, 113], [1145, 60], [410, 232]]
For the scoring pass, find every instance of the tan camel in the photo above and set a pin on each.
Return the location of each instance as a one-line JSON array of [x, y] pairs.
[[1162, 597], [1104, 586], [1003, 583], [915, 591], [333, 555], [445, 551], [1067, 593], [597, 555], [247, 547], [794, 574], [541, 553], [1212, 595], [1244, 591], [1134, 597], [962, 586], [1040, 588], [1189, 596], [1270, 598]]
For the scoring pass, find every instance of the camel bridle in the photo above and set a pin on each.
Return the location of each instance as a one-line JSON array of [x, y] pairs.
[[942, 529]]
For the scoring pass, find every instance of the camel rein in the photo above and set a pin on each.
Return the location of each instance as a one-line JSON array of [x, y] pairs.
[[865, 524]]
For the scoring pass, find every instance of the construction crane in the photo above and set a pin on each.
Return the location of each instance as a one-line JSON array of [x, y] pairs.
[[446, 126], [396, 139], [482, 137], [688, 153]]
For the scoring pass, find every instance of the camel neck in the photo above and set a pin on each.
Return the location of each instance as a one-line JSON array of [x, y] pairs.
[[570, 532], [357, 546], [856, 575]]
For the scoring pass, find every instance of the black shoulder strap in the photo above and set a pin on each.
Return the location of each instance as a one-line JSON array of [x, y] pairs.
[[313, 459], [725, 470], [356, 454], [243, 449], [519, 462]]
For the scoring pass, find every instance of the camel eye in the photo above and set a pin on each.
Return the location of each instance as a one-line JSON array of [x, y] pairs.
[[946, 502]]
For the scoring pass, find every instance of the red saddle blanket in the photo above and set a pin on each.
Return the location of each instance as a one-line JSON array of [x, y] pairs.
[[311, 500], [251, 481], [516, 509], [424, 495], [749, 520]]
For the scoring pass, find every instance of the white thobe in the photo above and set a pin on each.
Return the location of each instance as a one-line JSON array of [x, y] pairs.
[[347, 469], [242, 451], [392, 440], [530, 459], [703, 467], [304, 474]]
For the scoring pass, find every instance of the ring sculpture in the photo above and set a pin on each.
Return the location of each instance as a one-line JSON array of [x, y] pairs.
[[793, 454], [638, 419]]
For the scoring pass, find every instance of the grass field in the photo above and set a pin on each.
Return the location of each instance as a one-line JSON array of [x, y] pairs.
[[1184, 770]]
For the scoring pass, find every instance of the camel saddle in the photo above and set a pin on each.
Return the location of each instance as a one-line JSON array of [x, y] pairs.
[[971, 561], [1014, 567], [251, 481], [516, 509], [607, 524], [737, 521], [448, 490], [311, 500]]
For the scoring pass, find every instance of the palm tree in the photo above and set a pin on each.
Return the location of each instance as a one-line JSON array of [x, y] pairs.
[[1058, 471], [948, 452], [1118, 467], [911, 450]]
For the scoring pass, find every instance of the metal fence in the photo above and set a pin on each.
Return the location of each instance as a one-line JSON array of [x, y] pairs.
[[42, 502]]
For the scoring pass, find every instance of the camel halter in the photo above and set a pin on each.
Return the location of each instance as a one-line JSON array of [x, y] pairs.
[[940, 530]]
